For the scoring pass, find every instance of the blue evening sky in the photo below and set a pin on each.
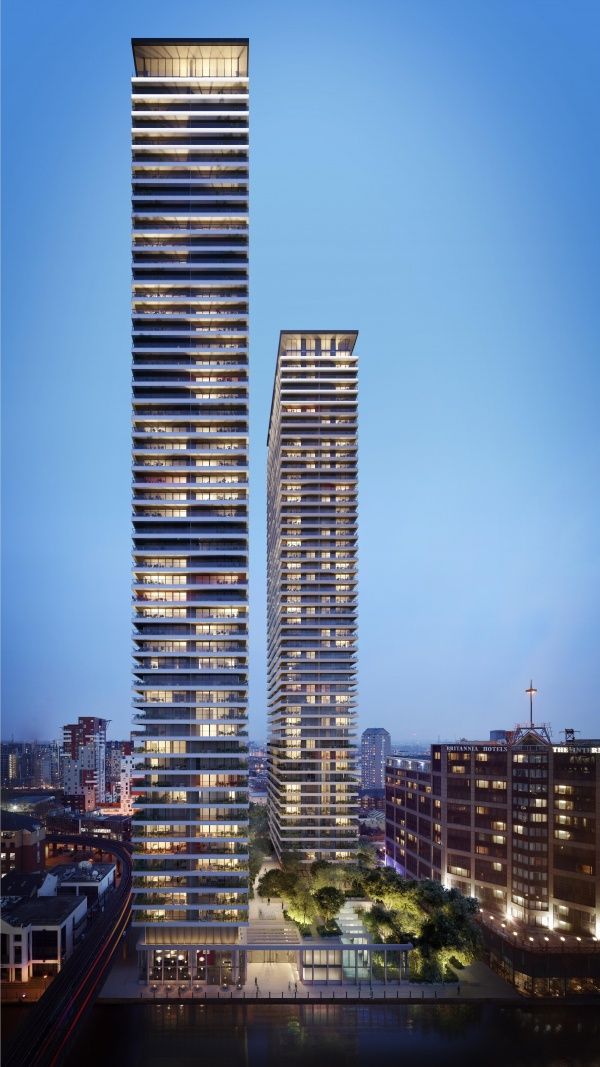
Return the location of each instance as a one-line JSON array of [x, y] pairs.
[[426, 172]]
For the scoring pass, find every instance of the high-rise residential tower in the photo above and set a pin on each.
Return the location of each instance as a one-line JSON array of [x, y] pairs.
[[190, 518], [83, 762], [312, 558], [375, 747]]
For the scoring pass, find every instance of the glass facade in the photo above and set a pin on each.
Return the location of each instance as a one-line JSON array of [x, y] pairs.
[[311, 585], [190, 489]]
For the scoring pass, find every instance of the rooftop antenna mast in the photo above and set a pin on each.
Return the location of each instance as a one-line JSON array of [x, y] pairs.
[[531, 692]]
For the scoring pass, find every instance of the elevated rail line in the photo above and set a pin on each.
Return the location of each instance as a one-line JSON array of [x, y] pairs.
[[42, 1038]]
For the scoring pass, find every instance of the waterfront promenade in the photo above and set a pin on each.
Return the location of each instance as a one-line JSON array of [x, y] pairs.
[[279, 982]]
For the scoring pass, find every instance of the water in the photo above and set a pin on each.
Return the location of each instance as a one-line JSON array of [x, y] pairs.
[[308, 1035]]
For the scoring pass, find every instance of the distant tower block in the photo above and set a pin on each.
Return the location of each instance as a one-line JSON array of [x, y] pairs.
[[375, 747]]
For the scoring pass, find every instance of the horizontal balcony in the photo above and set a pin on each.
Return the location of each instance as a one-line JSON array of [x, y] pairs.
[[191, 147], [155, 519], [191, 848], [146, 129], [212, 762], [190, 585], [151, 797], [187, 218], [193, 328], [227, 868], [212, 260], [184, 177], [152, 431], [209, 158], [236, 700], [169, 456], [146, 896], [157, 267], [164, 657], [229, 220], [173, 381], [182, 89], [200, 108], [232, 747], [219, 907], [145, 828], [144, 664], [201, 298], [227, 169], [157, 677], [200, 565], [204, 356], [160, 176], [165, 426], [212, 888], [152, 632], [227, 812], [151, 720]]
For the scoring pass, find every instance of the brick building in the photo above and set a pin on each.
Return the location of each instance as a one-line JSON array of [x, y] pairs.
[[515, 823]]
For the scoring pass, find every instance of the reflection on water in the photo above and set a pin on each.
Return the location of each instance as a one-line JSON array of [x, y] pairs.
[[255, 1035]]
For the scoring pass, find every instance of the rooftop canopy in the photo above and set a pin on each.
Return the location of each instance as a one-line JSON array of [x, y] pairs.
[[190, 58]]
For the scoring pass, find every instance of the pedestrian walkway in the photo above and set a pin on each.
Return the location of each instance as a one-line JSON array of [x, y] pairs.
[[267, 924], [353, 929], [280, 981]]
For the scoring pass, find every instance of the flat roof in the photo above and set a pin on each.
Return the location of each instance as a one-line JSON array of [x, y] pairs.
[[18, 820], [303, 333], [42, 911], [168, 41], [22, 884], [67, 872]]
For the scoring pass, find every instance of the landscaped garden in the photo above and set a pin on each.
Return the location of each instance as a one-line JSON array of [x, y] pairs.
[[394, 910]]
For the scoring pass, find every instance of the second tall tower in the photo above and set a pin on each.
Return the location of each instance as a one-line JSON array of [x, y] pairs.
[[311, 554]]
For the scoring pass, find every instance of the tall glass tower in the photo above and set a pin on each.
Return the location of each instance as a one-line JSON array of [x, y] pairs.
[[311, 582], [190, 517]]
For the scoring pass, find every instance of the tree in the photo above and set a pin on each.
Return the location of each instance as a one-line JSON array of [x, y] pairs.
[[432, 894], [329, 901], [301, 907], [276, 883], [367, 855], [260, 842]]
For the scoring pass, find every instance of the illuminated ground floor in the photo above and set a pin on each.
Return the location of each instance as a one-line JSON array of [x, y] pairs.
[[311, 962], [544, 971]]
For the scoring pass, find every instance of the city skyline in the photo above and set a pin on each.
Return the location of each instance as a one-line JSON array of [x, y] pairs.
[[478, 386]]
